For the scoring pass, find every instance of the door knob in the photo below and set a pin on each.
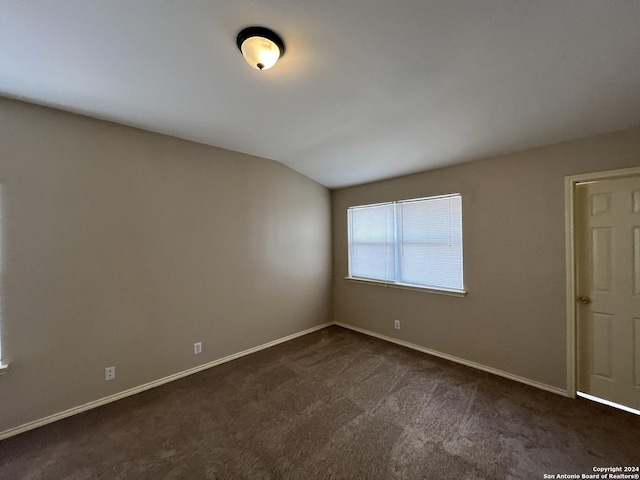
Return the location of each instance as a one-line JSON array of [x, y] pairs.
[[584, 300]]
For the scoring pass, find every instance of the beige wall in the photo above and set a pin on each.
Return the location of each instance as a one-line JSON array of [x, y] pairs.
[[123, 247], [513, 318]]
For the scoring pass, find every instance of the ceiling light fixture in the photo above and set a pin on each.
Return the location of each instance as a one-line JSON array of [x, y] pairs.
[[260, 47]]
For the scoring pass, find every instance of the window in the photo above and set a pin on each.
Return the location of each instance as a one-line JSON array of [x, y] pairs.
[[416, 243]]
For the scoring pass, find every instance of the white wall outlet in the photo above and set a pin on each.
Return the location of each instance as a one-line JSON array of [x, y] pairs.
[[197, 348], [110, 373], [396, 324]]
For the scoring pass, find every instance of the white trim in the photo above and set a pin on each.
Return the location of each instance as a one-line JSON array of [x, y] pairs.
[[570, 286], [468, 363], [3, 368], [608, 403], [406, 200], [404, 286], [571, 293], [605, 175], [156, 383]]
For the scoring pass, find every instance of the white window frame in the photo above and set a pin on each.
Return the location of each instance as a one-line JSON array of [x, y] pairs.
[[395, 284]]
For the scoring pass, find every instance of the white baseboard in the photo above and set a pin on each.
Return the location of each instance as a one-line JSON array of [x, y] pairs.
[[452, 358], [156, 383]]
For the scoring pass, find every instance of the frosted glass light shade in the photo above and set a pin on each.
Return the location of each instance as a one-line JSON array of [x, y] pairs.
[[260, 47], [260, 52]]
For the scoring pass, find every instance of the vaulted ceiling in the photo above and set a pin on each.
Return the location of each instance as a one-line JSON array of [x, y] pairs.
[[366, 90]]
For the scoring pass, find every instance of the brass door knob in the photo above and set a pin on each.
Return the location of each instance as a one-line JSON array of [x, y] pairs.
[[584, 300]]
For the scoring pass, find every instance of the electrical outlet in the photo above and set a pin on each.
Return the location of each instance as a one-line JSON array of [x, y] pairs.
[[197, 348], [396, 324], [110, 373]]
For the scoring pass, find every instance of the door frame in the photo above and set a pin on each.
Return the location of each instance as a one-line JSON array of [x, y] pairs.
[[570, 183]]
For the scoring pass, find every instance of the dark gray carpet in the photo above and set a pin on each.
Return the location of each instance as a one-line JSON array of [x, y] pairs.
[[332, 404]]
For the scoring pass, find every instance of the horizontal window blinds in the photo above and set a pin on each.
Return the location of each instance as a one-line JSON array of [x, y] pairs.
[[413, 242], [371, 242]]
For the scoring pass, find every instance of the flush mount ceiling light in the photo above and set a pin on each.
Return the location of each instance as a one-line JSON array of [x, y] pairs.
[[260, 47]]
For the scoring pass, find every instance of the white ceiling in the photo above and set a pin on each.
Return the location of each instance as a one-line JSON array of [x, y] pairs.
[[367, 89]]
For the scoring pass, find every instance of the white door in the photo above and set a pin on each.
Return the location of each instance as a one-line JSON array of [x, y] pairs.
[[608, 280]]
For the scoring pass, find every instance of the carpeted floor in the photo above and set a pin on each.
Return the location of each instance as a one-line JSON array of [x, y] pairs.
[[331, 404]]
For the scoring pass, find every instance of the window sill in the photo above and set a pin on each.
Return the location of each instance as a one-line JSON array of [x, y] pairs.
[[439, 291], [3, 368]]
